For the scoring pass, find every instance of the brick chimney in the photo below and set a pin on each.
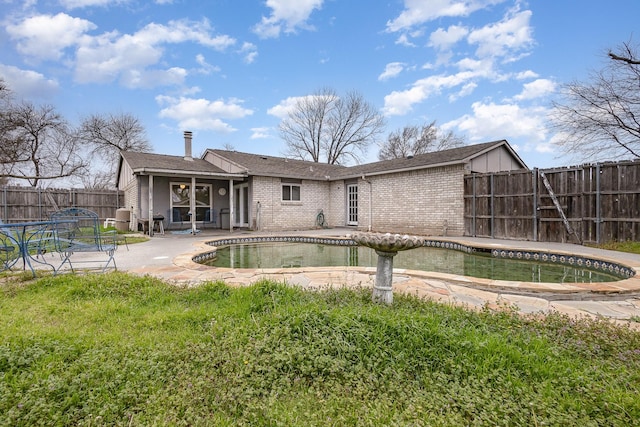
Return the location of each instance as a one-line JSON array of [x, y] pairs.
[[187, 145]]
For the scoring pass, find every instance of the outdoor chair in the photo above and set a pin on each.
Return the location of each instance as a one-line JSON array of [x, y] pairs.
[[78, 230]]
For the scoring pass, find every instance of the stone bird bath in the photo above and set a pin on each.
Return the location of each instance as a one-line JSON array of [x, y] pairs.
[[386, 246]]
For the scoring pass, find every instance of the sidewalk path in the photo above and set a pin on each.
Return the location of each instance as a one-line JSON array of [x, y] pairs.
[[169, 258]]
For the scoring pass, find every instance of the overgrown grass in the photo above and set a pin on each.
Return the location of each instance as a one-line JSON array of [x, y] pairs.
[[627, 246], [125, 236], [115, 349]]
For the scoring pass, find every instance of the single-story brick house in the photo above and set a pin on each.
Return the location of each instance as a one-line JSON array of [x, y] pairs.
[[420, 194]]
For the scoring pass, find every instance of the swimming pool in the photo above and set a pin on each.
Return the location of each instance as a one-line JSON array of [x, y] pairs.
[[436, 256]]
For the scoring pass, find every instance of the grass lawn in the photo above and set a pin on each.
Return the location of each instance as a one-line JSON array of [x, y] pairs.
[[628, 246], [116, 349]]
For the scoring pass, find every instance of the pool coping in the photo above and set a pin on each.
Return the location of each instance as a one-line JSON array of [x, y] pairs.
[[623, 288]]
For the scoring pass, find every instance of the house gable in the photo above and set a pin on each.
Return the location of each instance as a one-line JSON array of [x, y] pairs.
[[498, 159], [223, 163]]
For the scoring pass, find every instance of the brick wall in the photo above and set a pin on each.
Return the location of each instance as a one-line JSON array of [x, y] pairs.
[[276, 214], [426, 202], [335, 214]]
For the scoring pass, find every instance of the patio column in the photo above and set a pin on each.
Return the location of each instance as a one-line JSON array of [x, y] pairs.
[[150, 217], [231, 205], [192, 204]]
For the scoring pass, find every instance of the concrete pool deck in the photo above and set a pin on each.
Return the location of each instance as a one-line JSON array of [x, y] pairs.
[[169, 257]]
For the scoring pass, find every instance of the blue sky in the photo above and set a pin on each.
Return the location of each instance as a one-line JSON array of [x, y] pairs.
[[228, 69]]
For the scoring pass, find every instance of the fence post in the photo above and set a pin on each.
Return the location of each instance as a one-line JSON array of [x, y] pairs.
[[598, 213], [534, 178], [5, 208], [492, 211], [473, 207], [39, 204]]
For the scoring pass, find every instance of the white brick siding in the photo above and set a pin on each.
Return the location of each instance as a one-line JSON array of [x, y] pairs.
[[422, 202], [276, 214]]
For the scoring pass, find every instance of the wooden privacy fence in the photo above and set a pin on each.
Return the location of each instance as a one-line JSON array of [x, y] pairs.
[[21, 204], [583, 204]]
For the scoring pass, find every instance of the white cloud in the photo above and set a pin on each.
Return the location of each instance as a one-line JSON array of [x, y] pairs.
[[398, 103], [282, 109], [444, 39], [183, 31], [27, 83], [495, 43], [417, 12], [404, 41], [490, 121], [205, 67], [250, 52], [536, 89], [391, 70], [500, 39], [111, 56], [174, 76], [528, 74], [45, 37], [287, 16], [73, 4], [202, 114], [466, 90], [480, 67], [260, 133]]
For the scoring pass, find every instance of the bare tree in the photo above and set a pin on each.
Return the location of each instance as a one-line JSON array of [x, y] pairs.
[[324, 127], [600, 119], [5, 92], [10, 145], [412, 140], [45, 148], [107, 135]]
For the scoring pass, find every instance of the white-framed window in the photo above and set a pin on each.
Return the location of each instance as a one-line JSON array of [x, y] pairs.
[[352, 204], [291, 190], [180, 202]]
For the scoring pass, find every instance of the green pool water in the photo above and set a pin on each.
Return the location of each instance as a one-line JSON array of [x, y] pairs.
[[289, 255]]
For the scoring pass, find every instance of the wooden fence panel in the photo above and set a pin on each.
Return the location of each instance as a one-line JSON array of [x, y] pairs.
[[589, 203], [20, 204], [503, 204]]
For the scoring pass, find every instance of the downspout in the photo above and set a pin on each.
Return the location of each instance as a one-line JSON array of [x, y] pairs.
[[364, 178]]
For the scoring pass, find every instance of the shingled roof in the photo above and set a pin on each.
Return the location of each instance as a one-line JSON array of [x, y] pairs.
[[162, 163], [281, 167], [263, 165], [451, 156]]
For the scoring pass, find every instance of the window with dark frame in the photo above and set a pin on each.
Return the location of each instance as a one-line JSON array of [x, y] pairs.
[[290, 191]]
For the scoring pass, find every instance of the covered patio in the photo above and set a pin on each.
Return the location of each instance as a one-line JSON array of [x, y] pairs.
[[179, 193]]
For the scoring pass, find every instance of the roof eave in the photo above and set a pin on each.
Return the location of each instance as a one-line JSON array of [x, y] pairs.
[[400, 170], [154, 171]]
